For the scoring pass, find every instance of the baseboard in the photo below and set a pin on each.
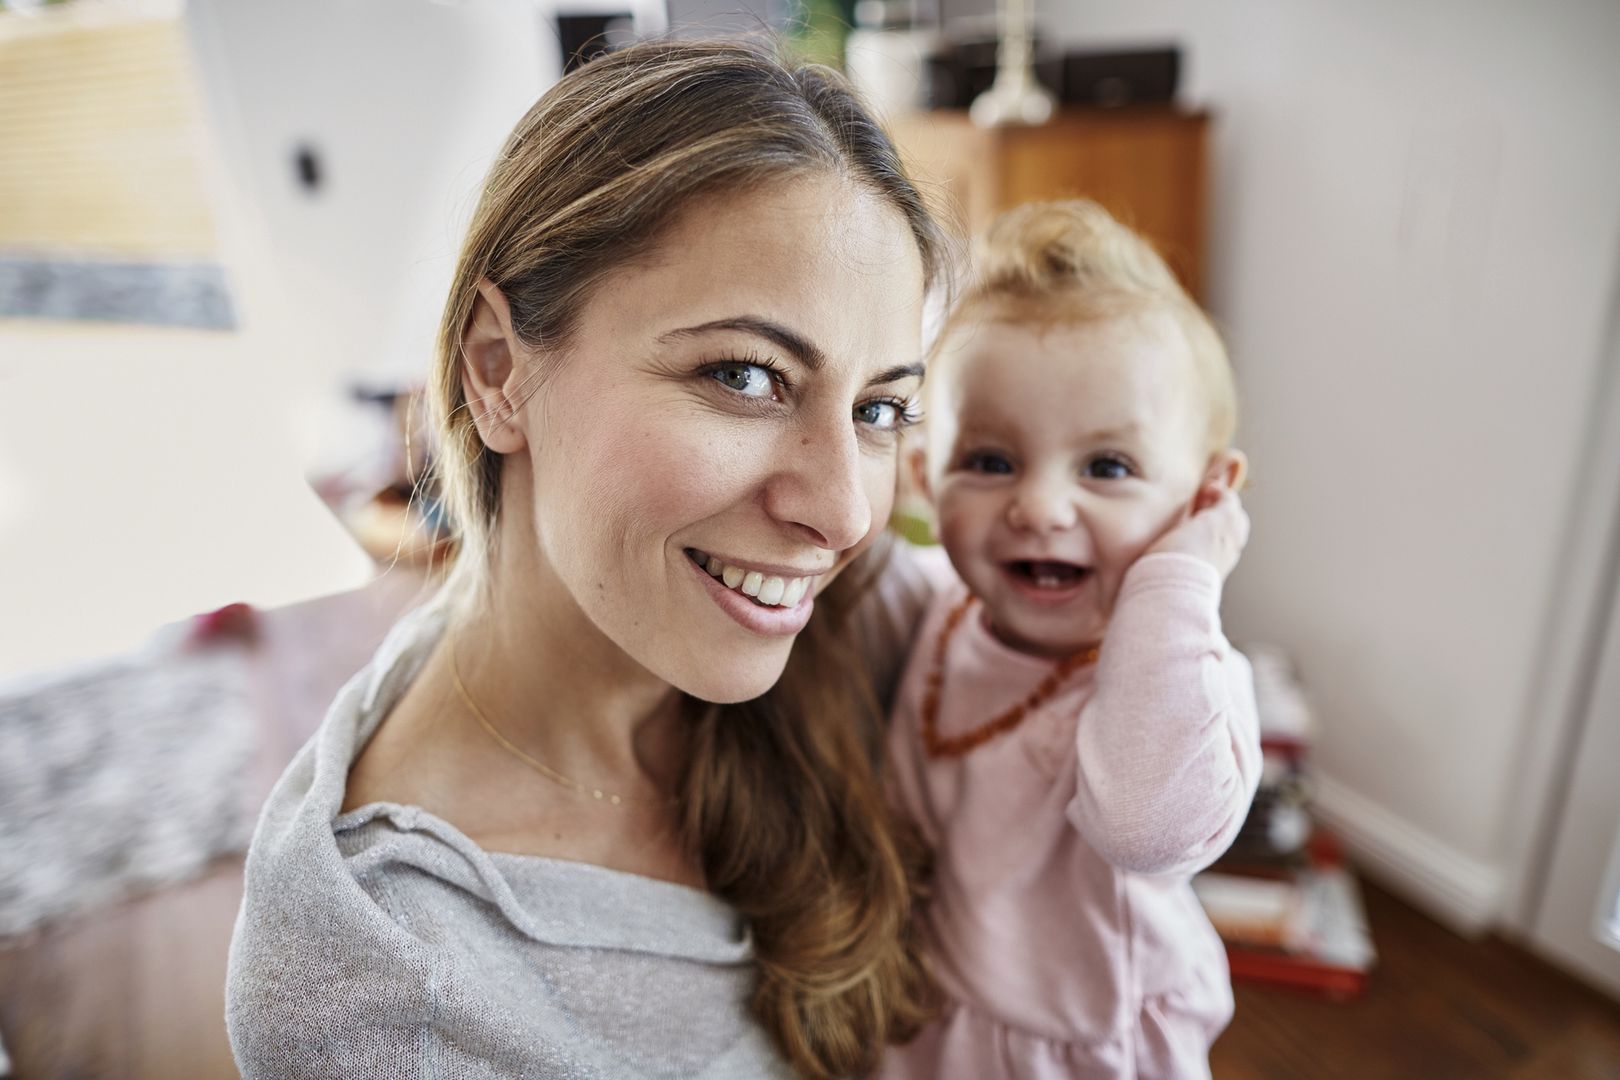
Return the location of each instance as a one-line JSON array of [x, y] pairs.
[[1458, 890]]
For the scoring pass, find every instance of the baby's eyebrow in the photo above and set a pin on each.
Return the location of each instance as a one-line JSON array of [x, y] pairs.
[[976, 429], [1122, 433]]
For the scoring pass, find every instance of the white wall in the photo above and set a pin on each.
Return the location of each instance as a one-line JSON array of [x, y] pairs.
[[1416, 234], [406, 103], [147, 474]]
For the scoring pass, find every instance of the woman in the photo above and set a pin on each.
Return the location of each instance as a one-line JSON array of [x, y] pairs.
[[607, 807]]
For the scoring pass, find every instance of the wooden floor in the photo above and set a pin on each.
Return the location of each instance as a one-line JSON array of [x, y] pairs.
[[1437, 1007]]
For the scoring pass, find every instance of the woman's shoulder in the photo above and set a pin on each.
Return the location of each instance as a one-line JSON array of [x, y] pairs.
[[310, 950], [312, 960], [402, 940]]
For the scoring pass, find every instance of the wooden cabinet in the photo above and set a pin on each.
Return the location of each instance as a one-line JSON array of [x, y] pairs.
[[1146, 165]]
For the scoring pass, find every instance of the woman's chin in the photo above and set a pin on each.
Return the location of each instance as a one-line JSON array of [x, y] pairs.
[[739, 681]]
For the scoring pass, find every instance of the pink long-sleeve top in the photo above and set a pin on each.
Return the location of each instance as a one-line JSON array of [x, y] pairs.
[[1063, 926]]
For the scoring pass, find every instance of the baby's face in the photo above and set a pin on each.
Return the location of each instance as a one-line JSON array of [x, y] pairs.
[[1056, 456]]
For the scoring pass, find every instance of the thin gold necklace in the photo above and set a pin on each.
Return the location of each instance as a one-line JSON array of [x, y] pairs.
[[534, 763]]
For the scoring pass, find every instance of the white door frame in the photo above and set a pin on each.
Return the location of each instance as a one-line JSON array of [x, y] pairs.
[[1575, 920], [1557, 712]]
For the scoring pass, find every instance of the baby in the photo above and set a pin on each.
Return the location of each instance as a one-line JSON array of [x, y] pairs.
[[1074, 735]]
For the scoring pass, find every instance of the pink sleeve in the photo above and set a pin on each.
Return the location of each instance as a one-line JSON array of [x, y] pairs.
[[1169, 744]]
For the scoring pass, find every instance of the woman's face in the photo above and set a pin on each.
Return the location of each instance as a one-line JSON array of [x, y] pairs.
[[719, 438]]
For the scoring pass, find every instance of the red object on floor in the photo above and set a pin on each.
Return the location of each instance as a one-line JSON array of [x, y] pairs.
[[1279, 969], [1336, 954], [237, 622]]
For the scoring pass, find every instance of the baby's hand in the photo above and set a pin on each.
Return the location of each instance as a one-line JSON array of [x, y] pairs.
[[1216, 530]]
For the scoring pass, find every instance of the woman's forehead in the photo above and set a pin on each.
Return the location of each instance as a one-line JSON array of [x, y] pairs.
[[822, 222], [820, 257]]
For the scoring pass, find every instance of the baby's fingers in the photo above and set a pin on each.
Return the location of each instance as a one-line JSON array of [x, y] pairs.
[[1231, 504], [1233, 520], [1224, 528]]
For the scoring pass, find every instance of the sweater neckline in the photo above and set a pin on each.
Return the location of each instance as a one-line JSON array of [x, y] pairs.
[[546, 898]]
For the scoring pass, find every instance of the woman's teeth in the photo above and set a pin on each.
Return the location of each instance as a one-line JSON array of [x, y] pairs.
[[769, 591]]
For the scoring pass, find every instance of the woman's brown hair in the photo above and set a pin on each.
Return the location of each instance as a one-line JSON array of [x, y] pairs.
[[780, 801]]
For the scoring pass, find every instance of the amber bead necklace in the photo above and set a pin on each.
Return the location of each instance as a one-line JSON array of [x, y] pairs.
[[939, 745]]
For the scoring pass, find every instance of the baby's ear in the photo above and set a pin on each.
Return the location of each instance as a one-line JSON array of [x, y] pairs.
[[917, 462], [1228, 469]]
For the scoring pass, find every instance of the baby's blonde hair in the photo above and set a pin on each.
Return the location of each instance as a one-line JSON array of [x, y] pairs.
[[1071, 261]]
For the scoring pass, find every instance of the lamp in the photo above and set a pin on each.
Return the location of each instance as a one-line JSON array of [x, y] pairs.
[[1015, 97]]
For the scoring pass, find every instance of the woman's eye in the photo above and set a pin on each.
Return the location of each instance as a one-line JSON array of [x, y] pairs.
[[987, 461], [1107, 468], [887, 414], [750, 380]]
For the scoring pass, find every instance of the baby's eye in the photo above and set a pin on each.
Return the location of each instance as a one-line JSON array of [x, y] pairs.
[[1107, 468], [750, 380], [987, 461]]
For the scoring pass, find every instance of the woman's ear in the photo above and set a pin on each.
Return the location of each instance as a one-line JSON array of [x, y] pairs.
[[489, 372]]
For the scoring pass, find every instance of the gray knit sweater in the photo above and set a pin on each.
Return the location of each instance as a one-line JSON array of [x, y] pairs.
[[384, 943]]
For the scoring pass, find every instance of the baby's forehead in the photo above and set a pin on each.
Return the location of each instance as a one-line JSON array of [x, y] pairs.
[[1118, 347], [1126, 373]]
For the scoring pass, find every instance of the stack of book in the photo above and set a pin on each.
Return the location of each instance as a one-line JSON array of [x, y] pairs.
[[1283, 898]]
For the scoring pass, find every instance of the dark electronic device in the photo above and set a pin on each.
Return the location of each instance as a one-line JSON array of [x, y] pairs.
[[583, 38], [966, 68], [1132, 77]]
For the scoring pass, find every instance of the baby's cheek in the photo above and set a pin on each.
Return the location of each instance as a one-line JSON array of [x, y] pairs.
[[963, 533], [1133, 533]]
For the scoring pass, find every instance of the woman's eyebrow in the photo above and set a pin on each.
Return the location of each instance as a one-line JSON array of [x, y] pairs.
[[896, 373], [802, 349], [799, 346]]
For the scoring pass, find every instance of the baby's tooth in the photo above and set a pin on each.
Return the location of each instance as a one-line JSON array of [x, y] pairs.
[[732, 576], [795, 592], [771, 592], [715, 566], [752, 582]]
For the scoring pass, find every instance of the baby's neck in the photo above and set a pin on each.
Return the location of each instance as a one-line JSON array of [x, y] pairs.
[[1029, 648]]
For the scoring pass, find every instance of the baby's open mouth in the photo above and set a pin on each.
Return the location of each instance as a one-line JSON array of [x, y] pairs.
[[1047, 573]]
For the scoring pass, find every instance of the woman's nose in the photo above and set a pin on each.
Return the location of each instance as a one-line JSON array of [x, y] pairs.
[[820, 486], [1042, 504]]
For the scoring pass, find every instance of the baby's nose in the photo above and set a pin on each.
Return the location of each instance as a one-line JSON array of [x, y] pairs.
[[1042, 507]]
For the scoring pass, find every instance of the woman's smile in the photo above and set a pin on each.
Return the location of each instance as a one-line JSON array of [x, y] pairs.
[[768, 586], [773, 606]]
